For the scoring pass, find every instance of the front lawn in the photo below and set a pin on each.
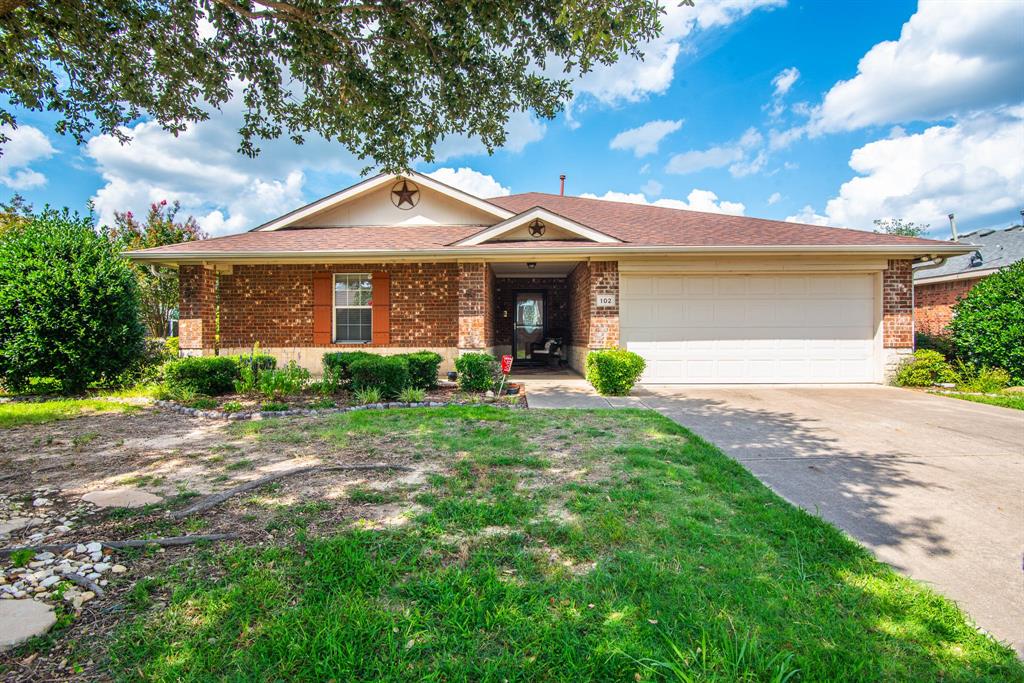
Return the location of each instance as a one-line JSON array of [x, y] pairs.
[[542, 545], [1015, 401], [16, 413]]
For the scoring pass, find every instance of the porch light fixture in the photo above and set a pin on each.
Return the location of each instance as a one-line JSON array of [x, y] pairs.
[[537, 227], [531, 265]]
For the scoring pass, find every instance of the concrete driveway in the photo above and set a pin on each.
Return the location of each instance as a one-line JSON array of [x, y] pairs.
[[933, 485]]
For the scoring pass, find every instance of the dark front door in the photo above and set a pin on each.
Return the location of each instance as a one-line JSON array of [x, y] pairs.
[[529, 324]]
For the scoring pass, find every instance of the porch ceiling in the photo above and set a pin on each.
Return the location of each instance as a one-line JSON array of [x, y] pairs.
[[540, 269]]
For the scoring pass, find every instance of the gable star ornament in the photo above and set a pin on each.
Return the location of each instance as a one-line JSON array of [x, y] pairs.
[[405, 195]]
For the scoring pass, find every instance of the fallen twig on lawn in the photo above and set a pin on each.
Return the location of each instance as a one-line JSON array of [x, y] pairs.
[[85, 583], [131, 543], [218, 498]]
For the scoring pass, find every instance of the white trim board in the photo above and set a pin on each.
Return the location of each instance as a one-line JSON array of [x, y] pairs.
[[529, 215]]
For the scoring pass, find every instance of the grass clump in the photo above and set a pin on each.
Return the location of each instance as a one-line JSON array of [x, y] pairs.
[[17, 413]]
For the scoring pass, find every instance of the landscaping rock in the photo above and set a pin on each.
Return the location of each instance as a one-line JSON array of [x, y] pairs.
[[23, 619], [121, 498]]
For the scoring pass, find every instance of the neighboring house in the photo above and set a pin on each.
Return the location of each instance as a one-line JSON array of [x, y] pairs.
[[937, 289], [396, 263]]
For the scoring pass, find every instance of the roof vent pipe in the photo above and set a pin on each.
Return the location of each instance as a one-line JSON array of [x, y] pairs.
[[561, 190], [952, 226]]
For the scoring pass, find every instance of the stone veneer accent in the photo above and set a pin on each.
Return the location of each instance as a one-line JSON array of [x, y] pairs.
[[933, 304]]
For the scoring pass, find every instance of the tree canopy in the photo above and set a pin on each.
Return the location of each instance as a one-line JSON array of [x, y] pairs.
[[386, 78], [898, 226]]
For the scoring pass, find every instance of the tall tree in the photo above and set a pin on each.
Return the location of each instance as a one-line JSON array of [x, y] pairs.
[[898, 226], [386, 78], [14, 213], [158, 286]]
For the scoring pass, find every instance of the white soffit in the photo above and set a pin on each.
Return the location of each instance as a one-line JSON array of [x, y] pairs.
[[370, 184], [533, 214]]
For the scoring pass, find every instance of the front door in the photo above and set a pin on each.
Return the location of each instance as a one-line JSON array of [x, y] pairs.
[[529, 324]]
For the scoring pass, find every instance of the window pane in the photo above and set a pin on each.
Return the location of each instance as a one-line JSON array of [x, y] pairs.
[[352, 324], [353, 289]]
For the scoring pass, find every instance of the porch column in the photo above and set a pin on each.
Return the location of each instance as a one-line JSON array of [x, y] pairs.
[[604, 304], [197, 295], [476, 307]]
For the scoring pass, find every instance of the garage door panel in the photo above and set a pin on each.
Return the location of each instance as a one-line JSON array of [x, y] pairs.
[[794, 328]]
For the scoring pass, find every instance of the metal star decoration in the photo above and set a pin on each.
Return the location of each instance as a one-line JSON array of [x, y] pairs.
[[537, 228], [404, 195]]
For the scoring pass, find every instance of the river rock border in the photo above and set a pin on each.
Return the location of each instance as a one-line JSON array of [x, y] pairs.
[[309, 412]]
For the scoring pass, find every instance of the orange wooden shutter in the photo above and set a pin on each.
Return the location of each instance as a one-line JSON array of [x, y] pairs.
[[322, 300], [381, 308]]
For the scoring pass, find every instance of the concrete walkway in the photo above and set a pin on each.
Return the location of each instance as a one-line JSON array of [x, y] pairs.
[[569, 390], [934, 486]]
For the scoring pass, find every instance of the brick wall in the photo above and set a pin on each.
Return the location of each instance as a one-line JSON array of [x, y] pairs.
[[933, 304], [604, 320], [898, 305], [578, 283], [557, 302], [273, 304], [475, 306], [197, 288]]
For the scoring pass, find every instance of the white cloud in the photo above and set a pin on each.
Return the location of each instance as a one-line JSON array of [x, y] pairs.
[[697, 200], [25, 146], [652, 188], [774, 198], [972, 168], [630, 79], [951, 58], [645, 139], [523, 128], [473, 182], [784, 80], [741, 156], [808, 215]]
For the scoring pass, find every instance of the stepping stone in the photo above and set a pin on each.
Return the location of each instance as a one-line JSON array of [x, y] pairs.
[[15, 523], [23, 619], [121, 498]]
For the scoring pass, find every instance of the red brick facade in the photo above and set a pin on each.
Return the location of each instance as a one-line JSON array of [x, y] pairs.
[[898, 305], [475, 306], [196, 313], [604, 320], [578, 283], [933, 304], [557, 304]]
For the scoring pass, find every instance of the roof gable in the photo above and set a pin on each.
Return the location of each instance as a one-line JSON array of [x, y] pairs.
[[378, 201], [550, 226]]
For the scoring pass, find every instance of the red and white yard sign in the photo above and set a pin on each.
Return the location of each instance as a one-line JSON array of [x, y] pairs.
[[506, 364]]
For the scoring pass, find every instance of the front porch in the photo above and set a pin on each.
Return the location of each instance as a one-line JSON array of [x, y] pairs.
[[547, 315]]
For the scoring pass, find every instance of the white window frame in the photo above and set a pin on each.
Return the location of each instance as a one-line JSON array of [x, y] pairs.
[[335, 307]]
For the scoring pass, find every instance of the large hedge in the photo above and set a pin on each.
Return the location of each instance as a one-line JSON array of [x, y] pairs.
[[988, 324], [69, 304]]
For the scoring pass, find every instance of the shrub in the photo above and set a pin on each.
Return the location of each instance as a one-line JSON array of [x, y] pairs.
[[368, 395], [423, 369], [203, 403], [273, 406], [232, 407], [323, 404], [983, 381], [412, 395], [924, 369], [69, 304], [286, 381], [614, 372], [935, 342], [258, 361], [208, 375], [339, 365], [988, 324], [148, 367], [390, 374], [477, 371], [171, 346]]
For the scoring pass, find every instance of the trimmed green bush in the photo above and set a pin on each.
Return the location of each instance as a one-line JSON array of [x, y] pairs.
[[258, 361], [286, 381], [390, 374], [423, 369], [206, 375], [477, 371], [614, 372], [69, 304], [988, 324], [925, 369], [338, 365]]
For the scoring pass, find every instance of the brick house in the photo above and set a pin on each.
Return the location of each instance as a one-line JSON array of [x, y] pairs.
[[938, 286], [399, 263]]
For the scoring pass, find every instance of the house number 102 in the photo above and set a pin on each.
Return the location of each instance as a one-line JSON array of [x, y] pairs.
[[605, 299]]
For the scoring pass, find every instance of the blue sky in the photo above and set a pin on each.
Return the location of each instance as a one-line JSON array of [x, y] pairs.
[[823, 112]]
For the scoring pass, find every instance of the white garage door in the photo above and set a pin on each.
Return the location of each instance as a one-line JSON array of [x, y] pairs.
[[751, 328]]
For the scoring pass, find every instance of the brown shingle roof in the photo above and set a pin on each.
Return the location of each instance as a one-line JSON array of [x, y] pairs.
[[640, 224]]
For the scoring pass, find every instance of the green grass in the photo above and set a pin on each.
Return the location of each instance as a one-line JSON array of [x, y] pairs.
[[674, 563], [17, 413], [1015, 401]]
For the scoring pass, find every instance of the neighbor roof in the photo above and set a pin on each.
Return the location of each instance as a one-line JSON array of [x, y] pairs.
[[617, 226], [997, 249]]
